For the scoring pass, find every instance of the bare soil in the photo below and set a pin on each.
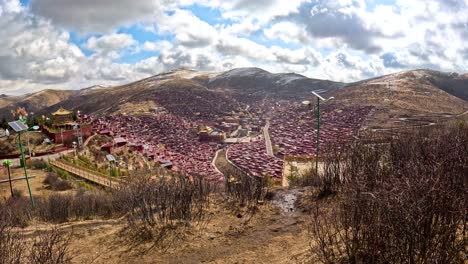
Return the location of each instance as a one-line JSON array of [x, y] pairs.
[[37, 185], [270, 236]]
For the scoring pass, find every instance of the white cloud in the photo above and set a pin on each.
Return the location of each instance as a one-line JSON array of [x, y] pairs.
[[288, 32], [187, 29], [32, 49], [157, 46], [110, 45], [343, 40], [96, 16]]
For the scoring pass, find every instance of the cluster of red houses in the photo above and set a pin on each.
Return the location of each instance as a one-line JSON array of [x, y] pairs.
[[253, 159], [293, 132], [166, 138], [195, 104], [293, 129]]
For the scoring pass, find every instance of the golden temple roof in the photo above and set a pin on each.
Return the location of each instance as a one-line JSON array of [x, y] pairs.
[[61, 111]]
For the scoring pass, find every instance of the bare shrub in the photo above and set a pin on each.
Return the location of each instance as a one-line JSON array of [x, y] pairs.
[[157, 208], [37, 164], [17, 210], [56, 183], [51, 178], [51, 247], [54, 208], [12, 247], [403, 202], [86, 205], [246, 191], [62, 185]]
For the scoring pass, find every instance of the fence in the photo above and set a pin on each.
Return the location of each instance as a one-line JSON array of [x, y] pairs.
[[87, 174]]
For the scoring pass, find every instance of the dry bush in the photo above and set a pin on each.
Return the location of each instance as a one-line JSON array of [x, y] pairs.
[[37, 164], [51, 178], [55, 208], [56, 183], [244, 191], [12, 247], [48, 247], [87, 205], [404, 202], [158, 208], [51, 247], [17, 210]]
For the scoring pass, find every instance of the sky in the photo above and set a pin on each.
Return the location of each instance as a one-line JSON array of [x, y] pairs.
[[73, 44]]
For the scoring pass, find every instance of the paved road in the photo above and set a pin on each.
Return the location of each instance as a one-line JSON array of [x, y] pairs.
[[418, 126], [266, 135], [213, 162]]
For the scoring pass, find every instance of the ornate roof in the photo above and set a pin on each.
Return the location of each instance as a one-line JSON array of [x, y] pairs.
[[61, 111]]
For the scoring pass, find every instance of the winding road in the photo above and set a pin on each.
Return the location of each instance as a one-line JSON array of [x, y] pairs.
[[266, 135]]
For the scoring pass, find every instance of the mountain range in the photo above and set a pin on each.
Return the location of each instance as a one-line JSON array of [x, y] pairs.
[[413, 93]]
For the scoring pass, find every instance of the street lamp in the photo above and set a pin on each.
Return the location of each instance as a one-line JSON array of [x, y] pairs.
[[5, 133], [317, 115], [111, 159], [19, 127]]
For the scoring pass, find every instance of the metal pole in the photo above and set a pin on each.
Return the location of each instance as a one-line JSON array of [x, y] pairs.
[[318, 136], [110, 174], [29, 148], [9, 179], [25, 171], [32, 124]]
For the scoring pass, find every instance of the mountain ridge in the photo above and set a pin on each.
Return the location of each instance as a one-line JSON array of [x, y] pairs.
[[417, 92]]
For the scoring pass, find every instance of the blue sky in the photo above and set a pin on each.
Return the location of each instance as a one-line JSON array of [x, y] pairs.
[[72, 44]]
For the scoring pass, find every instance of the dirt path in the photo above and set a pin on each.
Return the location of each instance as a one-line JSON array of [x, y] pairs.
[[271, 236]]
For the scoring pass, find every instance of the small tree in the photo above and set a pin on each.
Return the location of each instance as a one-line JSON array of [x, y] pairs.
[[4, 123]]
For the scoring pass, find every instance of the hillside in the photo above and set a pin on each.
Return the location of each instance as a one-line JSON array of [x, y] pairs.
[[181, 87], [255, 81], [35, 102], [418, 94]]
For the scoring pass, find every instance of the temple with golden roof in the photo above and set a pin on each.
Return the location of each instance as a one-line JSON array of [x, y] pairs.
[[62, 118]]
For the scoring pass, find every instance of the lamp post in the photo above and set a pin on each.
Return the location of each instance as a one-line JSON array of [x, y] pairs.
[[317, 115], [111, 159], [19, 127]]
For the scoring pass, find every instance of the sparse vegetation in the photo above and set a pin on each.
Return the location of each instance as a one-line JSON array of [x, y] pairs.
[[57, 183], [244, 191], [51, 246], [403, 202], [157, 208]]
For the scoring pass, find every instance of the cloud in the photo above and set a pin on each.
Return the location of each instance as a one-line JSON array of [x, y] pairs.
[[95, 16], [31, 49], [344, 40], [288, 32], [262, 11], [390, 60], [110, 44], [339, 20], [188, 30]]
